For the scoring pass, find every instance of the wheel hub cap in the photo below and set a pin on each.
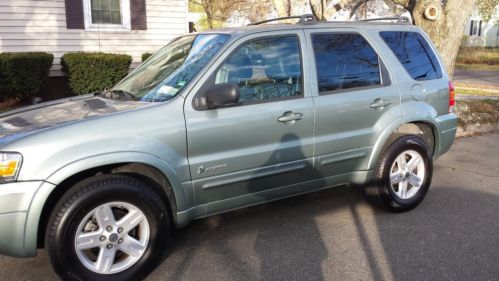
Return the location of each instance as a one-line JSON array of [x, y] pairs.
[[113, 237]]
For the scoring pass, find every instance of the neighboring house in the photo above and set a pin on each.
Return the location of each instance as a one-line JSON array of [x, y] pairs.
[[116, 26], [481, 33]]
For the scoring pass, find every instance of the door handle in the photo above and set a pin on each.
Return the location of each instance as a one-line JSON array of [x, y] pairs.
[[380, 103], [290, 116]]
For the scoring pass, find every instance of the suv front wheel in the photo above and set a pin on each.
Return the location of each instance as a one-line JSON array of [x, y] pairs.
[[403, 174], [108, 227]]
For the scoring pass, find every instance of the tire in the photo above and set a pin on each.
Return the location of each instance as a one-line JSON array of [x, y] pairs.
[[138, 234], [387, 188]]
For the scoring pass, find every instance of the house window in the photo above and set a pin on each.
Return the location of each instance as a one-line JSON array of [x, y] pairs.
[[107, 15], [476, 28]]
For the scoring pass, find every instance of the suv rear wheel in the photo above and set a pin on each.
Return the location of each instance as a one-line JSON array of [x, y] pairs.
[[403, 174], [109, 227]]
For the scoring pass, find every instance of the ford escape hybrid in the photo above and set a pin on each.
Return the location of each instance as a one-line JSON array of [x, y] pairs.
[[217, 121]]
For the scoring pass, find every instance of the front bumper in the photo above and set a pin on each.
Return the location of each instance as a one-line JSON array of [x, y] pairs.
[[447, 128], [17, 231]]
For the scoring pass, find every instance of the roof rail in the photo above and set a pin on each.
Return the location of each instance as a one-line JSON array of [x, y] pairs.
[[400, 19], [303, 18]]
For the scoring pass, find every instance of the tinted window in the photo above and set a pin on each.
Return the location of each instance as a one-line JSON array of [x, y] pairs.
[[414, 53], [344, 61], [264, 69]]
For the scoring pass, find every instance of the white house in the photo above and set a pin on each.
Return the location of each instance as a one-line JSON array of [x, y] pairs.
[[481, 33], [116, 26]]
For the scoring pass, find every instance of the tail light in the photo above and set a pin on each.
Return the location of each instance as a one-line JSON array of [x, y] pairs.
[[452, 97]]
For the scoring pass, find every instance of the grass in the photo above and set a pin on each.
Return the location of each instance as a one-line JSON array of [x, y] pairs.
[[478, 55], [475, 92], [478, 66]]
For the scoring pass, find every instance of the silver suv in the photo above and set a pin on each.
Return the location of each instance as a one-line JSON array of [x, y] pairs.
[[217, 121]]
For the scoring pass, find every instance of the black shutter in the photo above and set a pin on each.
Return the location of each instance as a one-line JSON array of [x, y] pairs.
[[74, 14], [471, 27], [480, 28], [138, 14]]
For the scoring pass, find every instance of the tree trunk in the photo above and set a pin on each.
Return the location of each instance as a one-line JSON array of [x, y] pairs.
[[283, 8], [445, 32]]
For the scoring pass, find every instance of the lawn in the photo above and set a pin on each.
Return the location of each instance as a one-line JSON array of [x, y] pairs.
[[478, 57], [476, 92]]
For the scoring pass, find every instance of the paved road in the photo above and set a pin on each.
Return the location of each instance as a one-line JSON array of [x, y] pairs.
[[473, 76], [336, 235]]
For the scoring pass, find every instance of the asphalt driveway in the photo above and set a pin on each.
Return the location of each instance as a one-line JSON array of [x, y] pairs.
[[476, 76], [336, 235]]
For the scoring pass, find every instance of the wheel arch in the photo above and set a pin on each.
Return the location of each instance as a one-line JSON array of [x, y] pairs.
[[161, 177], [424, 127]]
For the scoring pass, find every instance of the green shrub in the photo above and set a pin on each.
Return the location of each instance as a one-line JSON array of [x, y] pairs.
[[146, 56], [23, 74], [91, 72], [478, 55]]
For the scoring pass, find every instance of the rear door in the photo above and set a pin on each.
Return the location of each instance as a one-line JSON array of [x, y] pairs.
[[355, 99], [265, 141]]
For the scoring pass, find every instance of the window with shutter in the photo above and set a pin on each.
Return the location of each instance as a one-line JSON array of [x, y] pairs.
[[106, 15]]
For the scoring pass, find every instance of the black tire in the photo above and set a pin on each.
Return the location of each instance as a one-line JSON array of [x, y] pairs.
[[84, 197], [380, 189]]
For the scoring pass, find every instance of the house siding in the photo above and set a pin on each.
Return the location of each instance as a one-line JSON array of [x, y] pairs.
[[489, 35], [40, 25]]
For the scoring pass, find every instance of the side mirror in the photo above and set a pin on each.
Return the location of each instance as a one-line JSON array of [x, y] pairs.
[[220, 95]]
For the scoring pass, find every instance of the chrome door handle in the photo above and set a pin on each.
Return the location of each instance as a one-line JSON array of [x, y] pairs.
[[380, 103], [290, 116]]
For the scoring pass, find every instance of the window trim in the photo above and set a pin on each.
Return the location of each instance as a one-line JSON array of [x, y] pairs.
[[126, 22], [431, 48], [212, 76], [383, 70]]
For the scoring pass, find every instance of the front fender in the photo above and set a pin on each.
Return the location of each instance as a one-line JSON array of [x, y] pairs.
[[124, 157]]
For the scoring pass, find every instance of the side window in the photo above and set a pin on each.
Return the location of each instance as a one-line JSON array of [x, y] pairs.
[[414, 53], [344, 61], [264, 69]]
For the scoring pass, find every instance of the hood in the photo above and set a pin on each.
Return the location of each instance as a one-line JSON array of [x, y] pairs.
[[27, 120]]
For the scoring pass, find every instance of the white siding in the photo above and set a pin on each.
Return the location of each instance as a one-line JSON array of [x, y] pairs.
[[40, 25]]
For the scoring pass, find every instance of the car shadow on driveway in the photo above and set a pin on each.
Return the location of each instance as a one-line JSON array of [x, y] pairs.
[[335, 235]]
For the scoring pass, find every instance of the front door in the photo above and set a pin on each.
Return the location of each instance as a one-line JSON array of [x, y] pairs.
[[266, 140]]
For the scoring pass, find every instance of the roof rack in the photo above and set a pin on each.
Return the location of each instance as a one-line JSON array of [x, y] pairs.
[[311, 18], [401, 19], [303, 18]]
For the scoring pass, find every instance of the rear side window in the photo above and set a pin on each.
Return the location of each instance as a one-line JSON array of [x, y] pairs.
[[414, 53], [344, 61]]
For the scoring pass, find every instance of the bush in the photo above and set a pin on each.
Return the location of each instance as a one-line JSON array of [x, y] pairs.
[[23, 74], [91, 72], [146, 56], [478, 55]]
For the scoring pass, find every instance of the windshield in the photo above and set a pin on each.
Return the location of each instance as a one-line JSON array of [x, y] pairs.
[[167, 72]]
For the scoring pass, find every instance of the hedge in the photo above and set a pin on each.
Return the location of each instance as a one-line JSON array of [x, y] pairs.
[[91, 72], [23, 74], [146, 56]]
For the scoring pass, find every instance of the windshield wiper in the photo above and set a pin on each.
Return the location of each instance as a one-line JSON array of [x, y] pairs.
[[118, 94]]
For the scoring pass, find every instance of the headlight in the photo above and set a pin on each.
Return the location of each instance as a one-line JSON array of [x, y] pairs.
[[10, 164]]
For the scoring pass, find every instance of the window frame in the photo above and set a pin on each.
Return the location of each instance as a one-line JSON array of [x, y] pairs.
[[212, 76], [126, 22], [437, 67], [384, 75]]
